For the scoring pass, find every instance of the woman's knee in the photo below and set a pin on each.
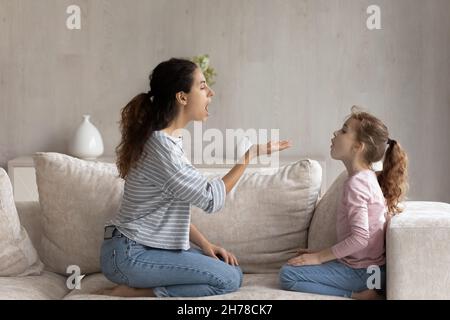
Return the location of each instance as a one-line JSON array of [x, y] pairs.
[[240, 275], [232, 281]]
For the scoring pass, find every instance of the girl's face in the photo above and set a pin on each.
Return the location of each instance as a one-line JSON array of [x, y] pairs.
[[199, 98], [344, 145]]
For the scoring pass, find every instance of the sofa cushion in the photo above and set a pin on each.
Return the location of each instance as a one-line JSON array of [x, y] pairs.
[[322, 231], [266, 216], [254, 287], [76, 199], [47, 286], [18, 257], [30, 217]]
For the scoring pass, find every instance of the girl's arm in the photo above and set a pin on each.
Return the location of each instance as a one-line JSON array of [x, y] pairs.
[[357, 197], [313, 258], [210, 249], [326, 255], [233, 176]]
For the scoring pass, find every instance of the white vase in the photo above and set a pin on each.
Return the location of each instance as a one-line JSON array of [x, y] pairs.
[[87, 142]]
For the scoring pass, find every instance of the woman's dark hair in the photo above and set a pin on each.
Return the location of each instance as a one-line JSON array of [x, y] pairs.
[[152, 111]]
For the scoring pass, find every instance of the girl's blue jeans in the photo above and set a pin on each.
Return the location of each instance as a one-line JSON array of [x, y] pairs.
[[332, 278]]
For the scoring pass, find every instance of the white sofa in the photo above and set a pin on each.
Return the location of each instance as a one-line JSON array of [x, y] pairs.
[[417, 244]]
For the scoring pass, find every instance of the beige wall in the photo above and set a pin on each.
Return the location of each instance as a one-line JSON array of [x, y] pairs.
[[297, 65]]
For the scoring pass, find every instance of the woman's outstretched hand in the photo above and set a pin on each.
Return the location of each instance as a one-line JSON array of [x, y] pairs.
[[220, 253], [232, 177], [270, 147]]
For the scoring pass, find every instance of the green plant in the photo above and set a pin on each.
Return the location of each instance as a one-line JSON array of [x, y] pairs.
[[203, 62]]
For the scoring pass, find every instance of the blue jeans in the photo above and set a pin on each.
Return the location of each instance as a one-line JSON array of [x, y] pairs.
[[332, 278], [171, 273]]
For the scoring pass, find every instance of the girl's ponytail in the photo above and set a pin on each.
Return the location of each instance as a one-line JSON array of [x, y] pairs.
[[393, 179]]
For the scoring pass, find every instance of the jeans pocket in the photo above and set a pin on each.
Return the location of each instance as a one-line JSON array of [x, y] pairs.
[[110, 269], [134, 249]]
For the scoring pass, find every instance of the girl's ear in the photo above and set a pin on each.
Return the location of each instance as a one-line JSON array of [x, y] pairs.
[[358, 146], [181, 98]]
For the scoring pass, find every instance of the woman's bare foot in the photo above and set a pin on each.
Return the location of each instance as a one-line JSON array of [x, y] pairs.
[[125, 291], [368, 294], [103, 292]]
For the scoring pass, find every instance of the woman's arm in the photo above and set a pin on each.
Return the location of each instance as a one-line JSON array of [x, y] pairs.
[[233, 176], [210, 249], [196, 237]]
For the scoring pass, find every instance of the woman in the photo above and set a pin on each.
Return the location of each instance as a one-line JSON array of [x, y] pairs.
[[147, 245]]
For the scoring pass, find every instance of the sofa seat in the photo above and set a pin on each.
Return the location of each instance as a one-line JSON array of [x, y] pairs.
[[254, 287], [47, 286]]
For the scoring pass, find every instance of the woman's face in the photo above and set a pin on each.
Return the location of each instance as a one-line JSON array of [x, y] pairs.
[[344, 140], [199, 98]]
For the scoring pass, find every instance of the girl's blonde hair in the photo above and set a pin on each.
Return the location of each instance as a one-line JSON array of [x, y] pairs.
[[393, 179]]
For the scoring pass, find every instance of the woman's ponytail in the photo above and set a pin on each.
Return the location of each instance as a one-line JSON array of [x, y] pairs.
[[135, 131], [152, 111]]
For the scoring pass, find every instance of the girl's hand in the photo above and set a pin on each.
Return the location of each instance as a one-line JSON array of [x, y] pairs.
[[270, 147], [301, 251], [219, 252], [307, 259]]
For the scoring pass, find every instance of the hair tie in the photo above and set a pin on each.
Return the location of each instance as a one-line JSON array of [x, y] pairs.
[[390, 141]]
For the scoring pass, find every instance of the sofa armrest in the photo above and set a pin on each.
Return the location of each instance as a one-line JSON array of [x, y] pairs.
[[30, 218], [418, 252]]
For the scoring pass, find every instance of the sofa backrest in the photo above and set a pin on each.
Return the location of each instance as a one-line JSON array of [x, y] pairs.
[[322, 231], [266, 216], [265, 240], [30, 217]]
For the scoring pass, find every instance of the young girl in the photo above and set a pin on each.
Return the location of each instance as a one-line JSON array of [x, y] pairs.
[[368, 199], [146, 250]]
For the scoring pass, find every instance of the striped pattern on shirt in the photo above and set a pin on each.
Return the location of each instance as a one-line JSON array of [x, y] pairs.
[[158, 192]]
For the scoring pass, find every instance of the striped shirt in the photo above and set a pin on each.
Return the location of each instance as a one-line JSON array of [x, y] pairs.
[[158, 193]]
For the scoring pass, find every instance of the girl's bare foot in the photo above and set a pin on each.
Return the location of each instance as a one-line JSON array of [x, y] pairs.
[[125, 291], [368, 294]]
